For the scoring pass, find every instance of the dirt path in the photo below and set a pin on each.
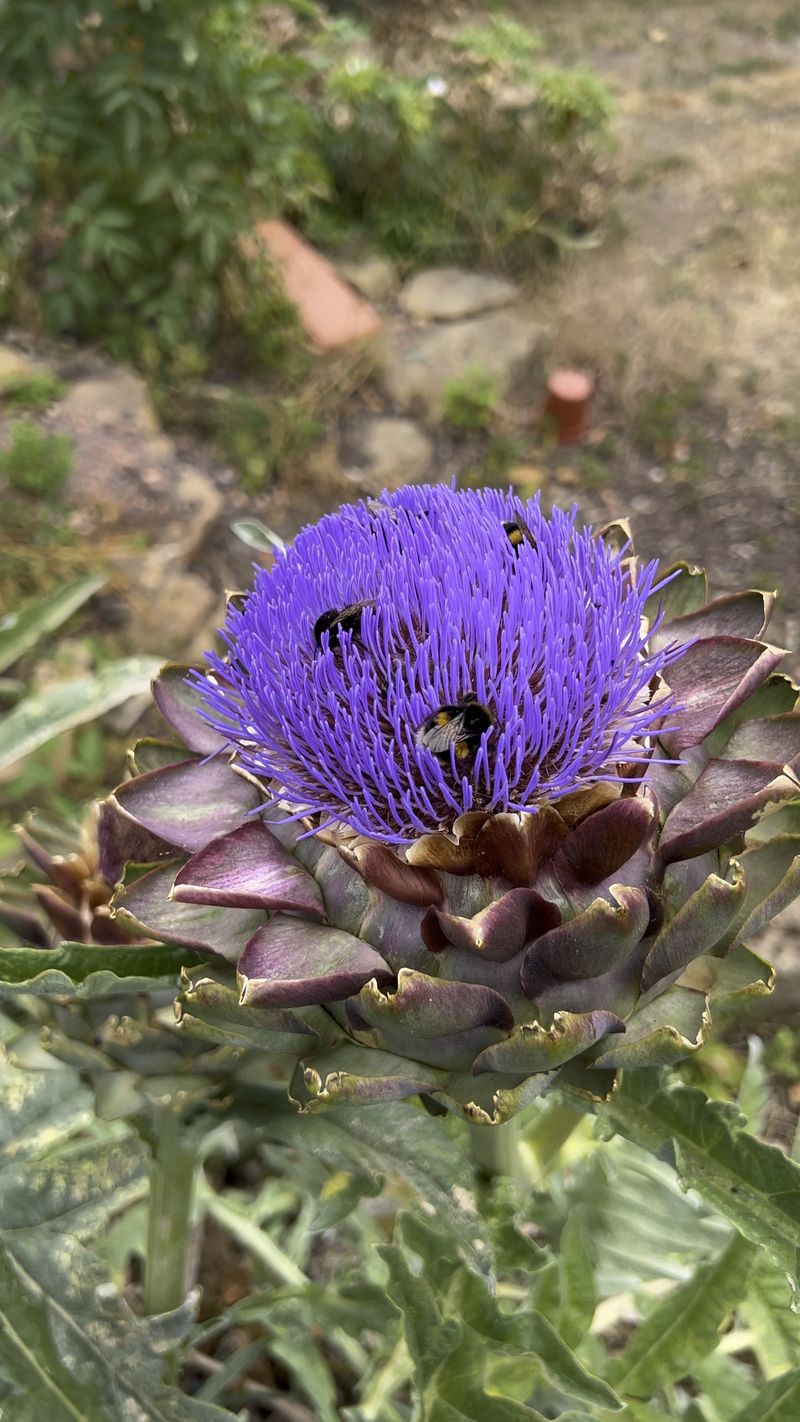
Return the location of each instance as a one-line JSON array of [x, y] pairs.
[[690, 315]]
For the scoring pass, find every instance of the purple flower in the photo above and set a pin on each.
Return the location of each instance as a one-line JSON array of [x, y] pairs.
[[524, 646]]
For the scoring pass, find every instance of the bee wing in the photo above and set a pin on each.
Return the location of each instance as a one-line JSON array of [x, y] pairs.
[[349, 619], [439, 738]]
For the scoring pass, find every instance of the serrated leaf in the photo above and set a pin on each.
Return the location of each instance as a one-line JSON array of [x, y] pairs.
[[560, 1365], [726, 1384], [399, 1141], [778, 1401], [70, 1348], [642, 1225], [20, 631], [429, 1337], [685, 1327], [577, 1292], [98, 1181], [293, 1344], [775, 1328], [38, 1110], [753, 1185], [528, 1337], [46, 714], [479, 1407], [451, 1362], [459, 1391]]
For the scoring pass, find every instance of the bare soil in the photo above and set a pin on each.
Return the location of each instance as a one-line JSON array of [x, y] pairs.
[[689, 316]]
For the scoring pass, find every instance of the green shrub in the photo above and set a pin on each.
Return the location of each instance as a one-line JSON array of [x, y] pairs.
[[139, 141], [36, 463], [501, 42], [443, 170], [142, 140], [259, 437], [572, 102], [32, 392], [469, 400]]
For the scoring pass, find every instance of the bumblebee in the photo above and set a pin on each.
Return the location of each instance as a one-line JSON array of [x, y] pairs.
[[335, 621], [518, 533], [460, 726]]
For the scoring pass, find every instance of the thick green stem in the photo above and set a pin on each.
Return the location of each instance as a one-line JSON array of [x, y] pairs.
[[525, 1148], [173, 1180], [496, 1150], [549, 1133]]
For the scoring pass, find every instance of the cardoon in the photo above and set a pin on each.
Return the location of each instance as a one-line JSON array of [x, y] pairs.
[[475, 802]]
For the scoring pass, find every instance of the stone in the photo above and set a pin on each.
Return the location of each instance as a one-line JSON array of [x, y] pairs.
[[195, 505], [373, 277], [331, 314], [566, 474], [200, 505], [449, 294], [527, 479], [115, 398], [386, 452], [160, 449], [505, 344], [173, 611]]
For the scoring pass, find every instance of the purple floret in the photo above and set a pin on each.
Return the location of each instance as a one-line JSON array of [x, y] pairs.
[[548, 635]]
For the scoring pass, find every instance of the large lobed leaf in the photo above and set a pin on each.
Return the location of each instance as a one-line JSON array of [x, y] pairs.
[[753, 1185], [472, 1360], [70, 1348], [399, 1142], [685, 1327]]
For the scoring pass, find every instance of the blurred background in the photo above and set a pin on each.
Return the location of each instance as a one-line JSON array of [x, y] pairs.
[[256, 260]]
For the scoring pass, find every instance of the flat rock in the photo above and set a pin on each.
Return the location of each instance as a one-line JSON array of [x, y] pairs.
[[200, 504], [449, 294], [14, 366], [505, 344], [385, 452], [118, 398], [174, 611], [373, 277]]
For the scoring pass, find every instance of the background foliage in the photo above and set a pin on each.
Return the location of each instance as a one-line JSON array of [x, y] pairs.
[[142, 141]]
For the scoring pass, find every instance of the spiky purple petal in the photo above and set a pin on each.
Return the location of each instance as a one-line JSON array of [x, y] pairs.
[[548, 635]]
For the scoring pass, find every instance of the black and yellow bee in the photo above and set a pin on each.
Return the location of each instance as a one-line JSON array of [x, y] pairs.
[[518, 533], [338, 620], [460, 726]]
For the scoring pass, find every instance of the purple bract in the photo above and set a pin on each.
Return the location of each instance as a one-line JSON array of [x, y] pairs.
[[546, 631]]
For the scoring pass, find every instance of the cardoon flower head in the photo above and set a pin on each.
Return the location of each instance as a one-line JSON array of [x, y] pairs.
[[474, 803], [438, 600]]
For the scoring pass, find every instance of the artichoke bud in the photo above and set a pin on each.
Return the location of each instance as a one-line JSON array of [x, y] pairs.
[[471, 815], [60, 890]]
